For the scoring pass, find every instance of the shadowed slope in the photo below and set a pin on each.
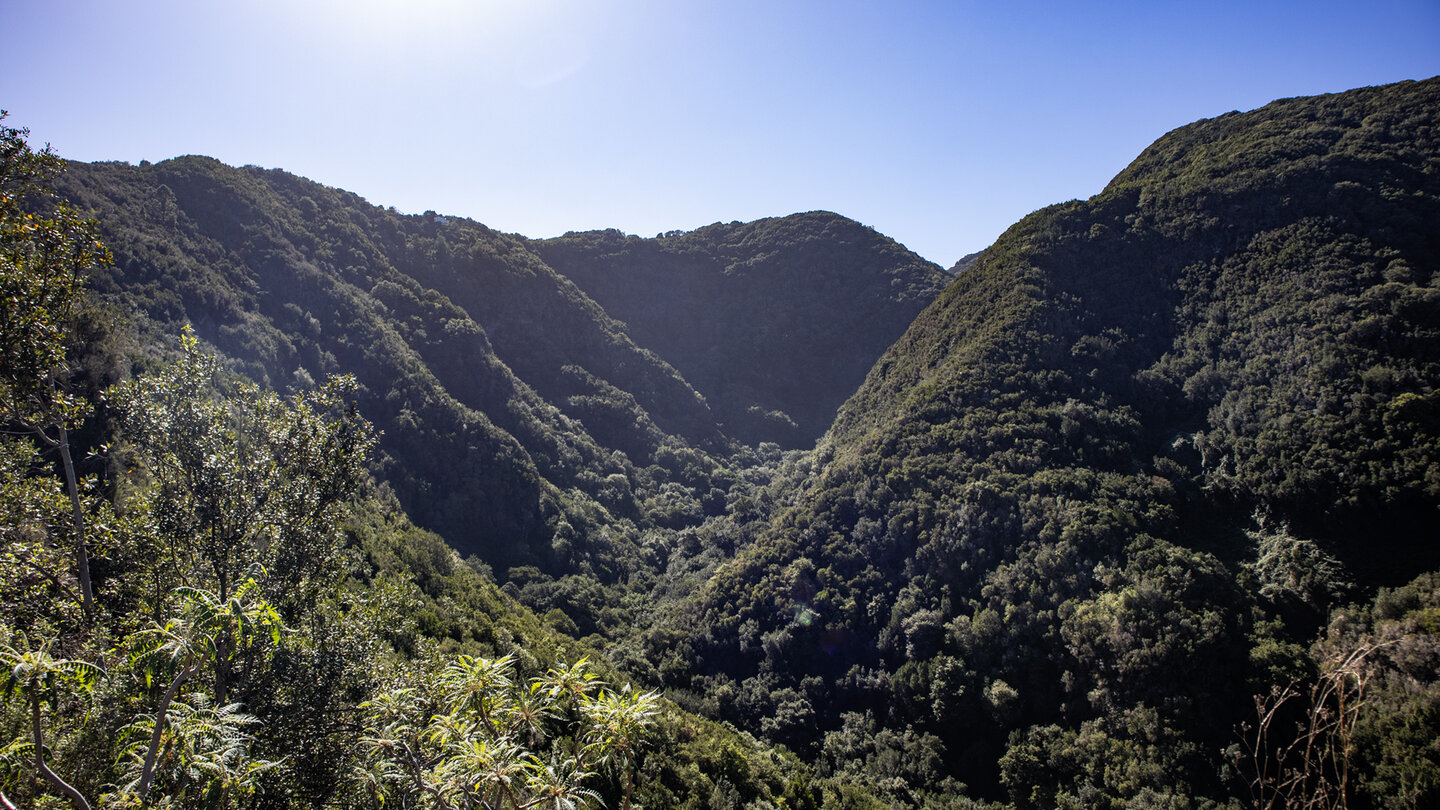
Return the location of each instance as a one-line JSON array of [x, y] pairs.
[[775, 321]]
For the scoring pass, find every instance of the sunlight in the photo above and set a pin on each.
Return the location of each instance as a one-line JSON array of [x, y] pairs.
[[409, 18], [532, 43]]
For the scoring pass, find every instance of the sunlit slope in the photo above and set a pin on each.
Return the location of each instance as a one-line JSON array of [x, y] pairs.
[[503, 392], [1138, 427]]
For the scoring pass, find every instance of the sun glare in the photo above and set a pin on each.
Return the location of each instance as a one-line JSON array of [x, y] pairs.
[[530, 43]]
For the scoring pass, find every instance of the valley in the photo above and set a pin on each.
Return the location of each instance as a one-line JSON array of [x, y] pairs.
[[1045, 529]]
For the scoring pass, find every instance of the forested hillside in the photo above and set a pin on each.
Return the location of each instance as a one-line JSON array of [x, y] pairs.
[[297, 281], [518, 419], [1113, 483], [206, 601], [724, 305], [1139, 509]]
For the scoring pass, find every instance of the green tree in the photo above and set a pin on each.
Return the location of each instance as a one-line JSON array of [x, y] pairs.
[[473, 735], [246, 481], [38, 678], [46, 249], [618, 723], [208, 630], [199, 746], [199, 751]]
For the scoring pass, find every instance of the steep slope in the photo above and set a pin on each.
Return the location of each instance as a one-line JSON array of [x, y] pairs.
[[503, 392], [775, 322], [1083, 509]]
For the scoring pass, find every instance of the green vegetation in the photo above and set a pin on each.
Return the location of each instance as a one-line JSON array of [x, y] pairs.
[[775, 322], [470, 735], [266, 627], [43, 258], [1112, 483], [517, 418], [1138, 512], [293, 281]]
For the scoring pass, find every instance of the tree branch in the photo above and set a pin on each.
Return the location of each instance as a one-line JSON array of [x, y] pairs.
[[54, 580], [75, 796], [82, 555], [148, 773]]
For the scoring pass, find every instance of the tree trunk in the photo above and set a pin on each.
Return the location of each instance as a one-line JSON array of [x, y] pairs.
[[82, 555], [148, 774], [75, 796]]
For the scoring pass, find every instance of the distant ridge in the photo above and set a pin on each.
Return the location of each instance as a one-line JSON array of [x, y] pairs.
[[518, 414], [775, 321]]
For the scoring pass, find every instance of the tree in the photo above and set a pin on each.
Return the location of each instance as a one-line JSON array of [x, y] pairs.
[[44, 258], [618, 723], [38, 677], [203, 751], [245, 481], [472, 735], [203, 745], [208, 630]]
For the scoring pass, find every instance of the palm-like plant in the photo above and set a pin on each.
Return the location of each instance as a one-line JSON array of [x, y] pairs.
[[37, 676], [478, 742], [204, 750], [568, 687], [480, 685], [208, 629], [561, 786], [484, 773], [530, 710], [568, 683], [392, 745], [619, 721]]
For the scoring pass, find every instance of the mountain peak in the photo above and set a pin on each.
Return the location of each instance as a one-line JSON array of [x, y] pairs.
[[775, 321]]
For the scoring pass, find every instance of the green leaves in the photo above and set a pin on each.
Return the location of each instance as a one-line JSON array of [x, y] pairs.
[[33, 672], [1136, 425], [206, 629], [44, 259], [205, 750], [247, 478], [492, 740], [618, 721]]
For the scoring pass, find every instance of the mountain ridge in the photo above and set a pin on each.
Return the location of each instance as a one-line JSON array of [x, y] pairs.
[[1089, 507], [715, 301], [464, 339], [1128, 408]]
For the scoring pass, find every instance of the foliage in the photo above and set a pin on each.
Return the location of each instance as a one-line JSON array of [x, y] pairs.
[[261, 605], [775, 321], [37, 677], [244, 482], [1360, 733], [471, 733], [1136, 436], [202, 752], [1106, 489], [43, 262], [201, 748], [44, 259], [506, 400]]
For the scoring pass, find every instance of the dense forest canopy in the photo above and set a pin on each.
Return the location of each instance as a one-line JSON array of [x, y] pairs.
[[1135, 508], [512, 405], [1090, 502], [207, 601], [724, 305]]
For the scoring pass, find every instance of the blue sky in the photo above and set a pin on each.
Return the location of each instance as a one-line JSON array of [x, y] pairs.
[[937, 123]]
